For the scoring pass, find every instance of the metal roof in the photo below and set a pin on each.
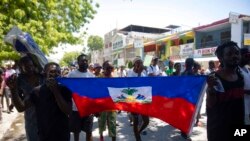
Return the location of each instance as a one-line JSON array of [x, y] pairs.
[[171, 26], [212, 24], [144, 29], [217, 23]]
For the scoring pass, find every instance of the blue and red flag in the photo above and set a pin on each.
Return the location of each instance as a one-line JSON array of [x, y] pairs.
[[174, 100]]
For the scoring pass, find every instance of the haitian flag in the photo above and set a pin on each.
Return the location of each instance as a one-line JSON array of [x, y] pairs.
[[174, 100]]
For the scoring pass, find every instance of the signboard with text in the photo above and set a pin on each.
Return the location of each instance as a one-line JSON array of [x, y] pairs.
[[187, 50], [205, 52], [138, 43], [118, 43], [121, 62], [247, 39]]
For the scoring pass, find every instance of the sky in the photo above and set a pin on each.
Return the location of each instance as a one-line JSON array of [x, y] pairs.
[[158, 13]]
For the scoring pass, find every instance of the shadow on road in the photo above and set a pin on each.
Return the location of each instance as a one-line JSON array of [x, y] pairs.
[[16, 130]]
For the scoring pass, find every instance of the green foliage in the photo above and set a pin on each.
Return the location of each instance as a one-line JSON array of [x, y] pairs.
[[95, 43], [68, 58], [8, 55], [130, 64], [50, 22]]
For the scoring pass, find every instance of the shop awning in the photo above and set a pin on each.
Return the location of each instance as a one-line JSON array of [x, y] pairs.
[[166, 38], [130, 46], [117, 51], [150, 47], [187, 34], [206, 59], [202, 59], [144, 29]]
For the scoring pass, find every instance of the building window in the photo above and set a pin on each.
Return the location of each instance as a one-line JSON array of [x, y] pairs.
[[207, 41], [225, 36], [203, 42], [190, 41], [209, 38]]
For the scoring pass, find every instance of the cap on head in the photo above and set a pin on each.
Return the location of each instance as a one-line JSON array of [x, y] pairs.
[[137, 59], [155, 58], [97, 65], [107, 64], [91, 65]]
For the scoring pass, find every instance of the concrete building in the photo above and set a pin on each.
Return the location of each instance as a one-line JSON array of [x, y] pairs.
[[208, 37], [97, 56], [201, 42], [107, 50], [125, 44]]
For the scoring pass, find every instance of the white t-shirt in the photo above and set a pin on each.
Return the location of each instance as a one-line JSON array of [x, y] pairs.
[[208, 71], [121, 73], [131, 73], [154, 69], [78, 74], [246, 74]]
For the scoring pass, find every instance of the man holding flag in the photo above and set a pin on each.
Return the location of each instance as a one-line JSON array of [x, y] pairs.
[[138, 71], [144, 95], [78, 123]]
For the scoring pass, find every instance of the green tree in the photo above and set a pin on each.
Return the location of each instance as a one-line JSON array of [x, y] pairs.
[[95, 43], [50, 22], [68, 58], [130, 64]]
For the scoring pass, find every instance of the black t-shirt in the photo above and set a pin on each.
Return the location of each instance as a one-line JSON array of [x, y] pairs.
[[228, 110], [187, 73], [53, 124]]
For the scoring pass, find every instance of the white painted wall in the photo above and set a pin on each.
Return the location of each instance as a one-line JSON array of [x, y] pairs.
[[237, 32]]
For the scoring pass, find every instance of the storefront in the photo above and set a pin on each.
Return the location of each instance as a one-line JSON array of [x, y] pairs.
[[150, 47], [203, 56], [174, 53]]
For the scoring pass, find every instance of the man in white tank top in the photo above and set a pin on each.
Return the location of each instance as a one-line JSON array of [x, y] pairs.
[[78, 123]]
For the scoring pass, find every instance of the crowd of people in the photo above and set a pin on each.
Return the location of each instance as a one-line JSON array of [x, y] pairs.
[[5, 73], [51, 114]]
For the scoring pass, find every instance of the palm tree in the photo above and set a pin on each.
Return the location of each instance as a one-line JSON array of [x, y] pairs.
[[129, 91]]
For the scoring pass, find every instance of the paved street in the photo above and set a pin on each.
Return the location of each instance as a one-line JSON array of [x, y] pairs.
[[156, 131]]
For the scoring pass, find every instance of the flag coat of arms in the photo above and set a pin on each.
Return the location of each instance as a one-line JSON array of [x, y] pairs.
[[174, 100]]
